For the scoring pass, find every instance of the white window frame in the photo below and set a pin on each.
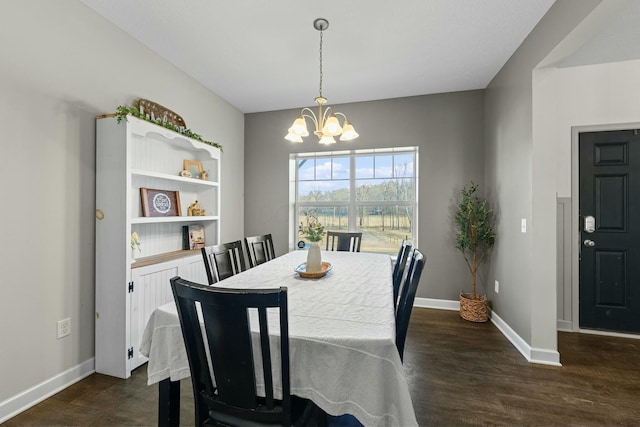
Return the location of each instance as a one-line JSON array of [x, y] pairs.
[[351, 204]]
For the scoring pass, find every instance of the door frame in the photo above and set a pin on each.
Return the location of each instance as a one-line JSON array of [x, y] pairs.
[[575, 232]]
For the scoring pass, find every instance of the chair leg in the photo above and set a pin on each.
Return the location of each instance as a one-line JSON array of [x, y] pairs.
[[318, 417], [168, 403]]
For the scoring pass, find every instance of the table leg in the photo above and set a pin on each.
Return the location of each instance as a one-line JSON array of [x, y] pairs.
[[168, 403]]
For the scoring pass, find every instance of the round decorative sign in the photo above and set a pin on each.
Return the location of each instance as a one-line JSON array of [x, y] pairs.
[[161, 203], [301, 244]]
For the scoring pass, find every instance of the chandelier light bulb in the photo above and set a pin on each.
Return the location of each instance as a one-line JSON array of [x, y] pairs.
[[293, 137], [327, 140], [332, 126], [348, 132]]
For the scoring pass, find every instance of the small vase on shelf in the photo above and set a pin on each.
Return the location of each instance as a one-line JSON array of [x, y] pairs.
[[135, 244], [314, 258]]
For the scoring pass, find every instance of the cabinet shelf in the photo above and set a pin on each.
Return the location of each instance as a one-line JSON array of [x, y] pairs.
[[164, 219], [166, 176], [169, 256]]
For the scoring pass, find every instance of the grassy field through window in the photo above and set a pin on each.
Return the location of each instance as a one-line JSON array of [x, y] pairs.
[[376, 236]]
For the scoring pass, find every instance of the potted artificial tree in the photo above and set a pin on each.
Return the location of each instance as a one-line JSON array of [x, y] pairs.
[[474, 238]]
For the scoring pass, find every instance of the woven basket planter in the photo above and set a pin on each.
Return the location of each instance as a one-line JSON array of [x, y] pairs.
[[473, 310]]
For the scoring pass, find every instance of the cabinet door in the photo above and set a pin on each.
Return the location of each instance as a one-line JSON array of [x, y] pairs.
[[151, 289]]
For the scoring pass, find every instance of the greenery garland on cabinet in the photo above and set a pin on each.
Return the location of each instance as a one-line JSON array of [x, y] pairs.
[[122, 112]]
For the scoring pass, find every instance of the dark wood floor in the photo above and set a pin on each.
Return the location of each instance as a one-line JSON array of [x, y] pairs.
[[459, 374]]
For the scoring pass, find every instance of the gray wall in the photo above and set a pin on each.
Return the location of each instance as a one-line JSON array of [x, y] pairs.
[[447, 128], [518, 175], [61, 65]]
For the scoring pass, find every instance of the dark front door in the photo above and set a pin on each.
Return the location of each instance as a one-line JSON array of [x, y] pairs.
[[610, 244]]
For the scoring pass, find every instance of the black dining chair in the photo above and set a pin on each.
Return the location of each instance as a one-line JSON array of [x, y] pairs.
[[259, 249], [407, 296], [222, 261], [398, 269], [343, 241], [232, 399]]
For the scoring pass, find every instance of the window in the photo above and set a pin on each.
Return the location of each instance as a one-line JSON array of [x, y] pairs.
[[368, 191]]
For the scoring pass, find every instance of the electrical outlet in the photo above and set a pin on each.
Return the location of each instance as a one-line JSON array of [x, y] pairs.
[[497, 287], [64, 327], [523, 225]]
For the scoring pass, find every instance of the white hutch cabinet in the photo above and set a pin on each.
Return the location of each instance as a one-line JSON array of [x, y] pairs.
[[131, 155]]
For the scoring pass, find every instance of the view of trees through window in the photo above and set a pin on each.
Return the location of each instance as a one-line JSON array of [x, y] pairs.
[[373, 193]]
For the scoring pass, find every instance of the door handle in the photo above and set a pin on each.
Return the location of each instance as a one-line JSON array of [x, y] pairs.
[[589, 243]]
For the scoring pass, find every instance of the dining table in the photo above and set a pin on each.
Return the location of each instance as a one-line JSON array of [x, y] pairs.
[[343, 354]]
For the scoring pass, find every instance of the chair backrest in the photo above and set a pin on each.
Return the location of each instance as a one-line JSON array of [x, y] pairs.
[[225, 316], [222, 261], [407, 296], [398, 269], [259, 249], [343, 241]]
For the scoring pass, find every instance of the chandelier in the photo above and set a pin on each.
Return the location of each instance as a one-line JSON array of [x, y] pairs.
[[326, 123]]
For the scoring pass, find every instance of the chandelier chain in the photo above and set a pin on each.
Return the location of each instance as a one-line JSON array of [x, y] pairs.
[[321, 63]]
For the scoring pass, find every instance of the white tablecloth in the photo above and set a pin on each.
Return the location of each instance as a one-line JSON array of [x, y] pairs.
[[341, 332]]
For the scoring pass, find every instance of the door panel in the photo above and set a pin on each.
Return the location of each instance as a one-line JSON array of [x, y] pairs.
[[611, 282], [151, 290], [610, 255], [611, 202]]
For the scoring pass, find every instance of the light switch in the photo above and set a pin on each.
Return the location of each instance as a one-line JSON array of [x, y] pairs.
[[523, 225]]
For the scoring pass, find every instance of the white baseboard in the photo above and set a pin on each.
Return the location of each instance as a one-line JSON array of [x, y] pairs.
[[36, 394], [533, 355], [544, 356], [440, 304], [565, 325]]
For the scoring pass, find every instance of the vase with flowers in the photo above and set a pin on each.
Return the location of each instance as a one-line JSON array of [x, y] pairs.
[[135, 244], [313, 231]]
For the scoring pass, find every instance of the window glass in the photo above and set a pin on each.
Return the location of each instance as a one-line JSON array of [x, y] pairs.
[[384, 227], [306, 169], [314, 191], [384, 166], [323, 168], [403, 165], [340, 168], [383, 206], [364, 167], [333, 218]]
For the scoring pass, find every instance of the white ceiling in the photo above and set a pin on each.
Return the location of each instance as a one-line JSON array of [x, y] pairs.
[[263, 55]]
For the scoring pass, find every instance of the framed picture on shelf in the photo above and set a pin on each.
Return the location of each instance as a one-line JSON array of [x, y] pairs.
[[194, 167], [193, 237], [160, 202]]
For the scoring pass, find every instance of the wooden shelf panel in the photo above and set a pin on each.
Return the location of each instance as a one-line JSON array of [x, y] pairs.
[[169, 256], [190, 181], [161, 219]]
